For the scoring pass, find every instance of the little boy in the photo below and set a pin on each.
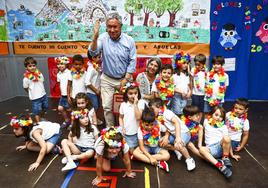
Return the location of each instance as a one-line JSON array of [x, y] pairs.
[[238, 125], [62, 78], [33, 83], [177, 135]]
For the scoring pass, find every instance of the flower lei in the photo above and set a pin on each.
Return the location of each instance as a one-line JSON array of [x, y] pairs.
[[77, 114], [196, 79], [34, 76], [16, 123], [129, 84], [192, 126], [160, 116], [152, 137], [209, 87], [215, 124], [77, 74], [180, 58], [108, 133], [165, 88], [62, 60], [230, 121]]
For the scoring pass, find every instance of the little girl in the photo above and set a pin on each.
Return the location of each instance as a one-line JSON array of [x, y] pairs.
[[81, 140], [110, 145], [148, 136], [218, 143], [82, 102], [130, 113], [181, 77], [62, 78], [41, 138]]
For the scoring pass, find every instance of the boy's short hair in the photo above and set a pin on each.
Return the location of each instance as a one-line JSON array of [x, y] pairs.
[[148, 115], [201, 58], [243, 102], [29, 60], [218, 59], [90, 56], [78, 57], [166, 67], [156, 102], [190, 110]]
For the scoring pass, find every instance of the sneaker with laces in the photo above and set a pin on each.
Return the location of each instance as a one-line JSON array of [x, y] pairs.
[[69, 166], [65, 160], [225, 171], [163, 165], [227, 162], [190, 164], [178, 154]]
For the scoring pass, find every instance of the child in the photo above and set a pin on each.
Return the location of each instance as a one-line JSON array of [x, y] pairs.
[[130, 113], [81, 140], [148, 136], [41, 138], [191, 118], [177, 135], [182, 82], [110, 145], [238, 125], [163, 86], [216, 83], [218, 143], [92, 80], [62, 78], [82, 102], [76, 80], [199, 75], [33, 83]]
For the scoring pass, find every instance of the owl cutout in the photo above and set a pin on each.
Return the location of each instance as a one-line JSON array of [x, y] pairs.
[[229, 37], [262, 33]]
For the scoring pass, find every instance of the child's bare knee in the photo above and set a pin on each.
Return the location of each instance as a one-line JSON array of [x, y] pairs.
[[64, 142], [226, 139]]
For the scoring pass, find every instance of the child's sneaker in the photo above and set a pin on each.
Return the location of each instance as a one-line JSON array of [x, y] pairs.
[[65, 160], [163, 165], [178, 154], [227, 162], [224, 170], [69, 166], [190, 164]]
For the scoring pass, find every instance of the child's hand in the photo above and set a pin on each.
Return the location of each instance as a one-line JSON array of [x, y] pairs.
[[153, 161], [238, 148], [33, 166], [20, 148], [163, 141], [96, 180], [178, 144], [236, 157], [129, 174]]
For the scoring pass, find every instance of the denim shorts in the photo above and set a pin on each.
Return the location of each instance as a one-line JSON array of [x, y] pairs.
[[208, 108], [198, 100], [132, 140], [152, 150], [39, 105], [54, 139], [185, 137], [84, 149], [64, 102], [94, 100], [216, 150], [235, 144], [177, 104]]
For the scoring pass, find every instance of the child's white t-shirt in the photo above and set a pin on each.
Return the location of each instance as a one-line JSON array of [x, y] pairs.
[[168, 116], [48, 129], [216, 85], [214, 135], [78, 85], [236, 135], [181, 82], [62, 78], [87, 139], [99, 147], [130, 122], [92, 78], [201, 77], [36, 89]]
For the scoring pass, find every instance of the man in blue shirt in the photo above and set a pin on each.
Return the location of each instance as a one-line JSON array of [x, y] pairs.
[[118, 60]]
